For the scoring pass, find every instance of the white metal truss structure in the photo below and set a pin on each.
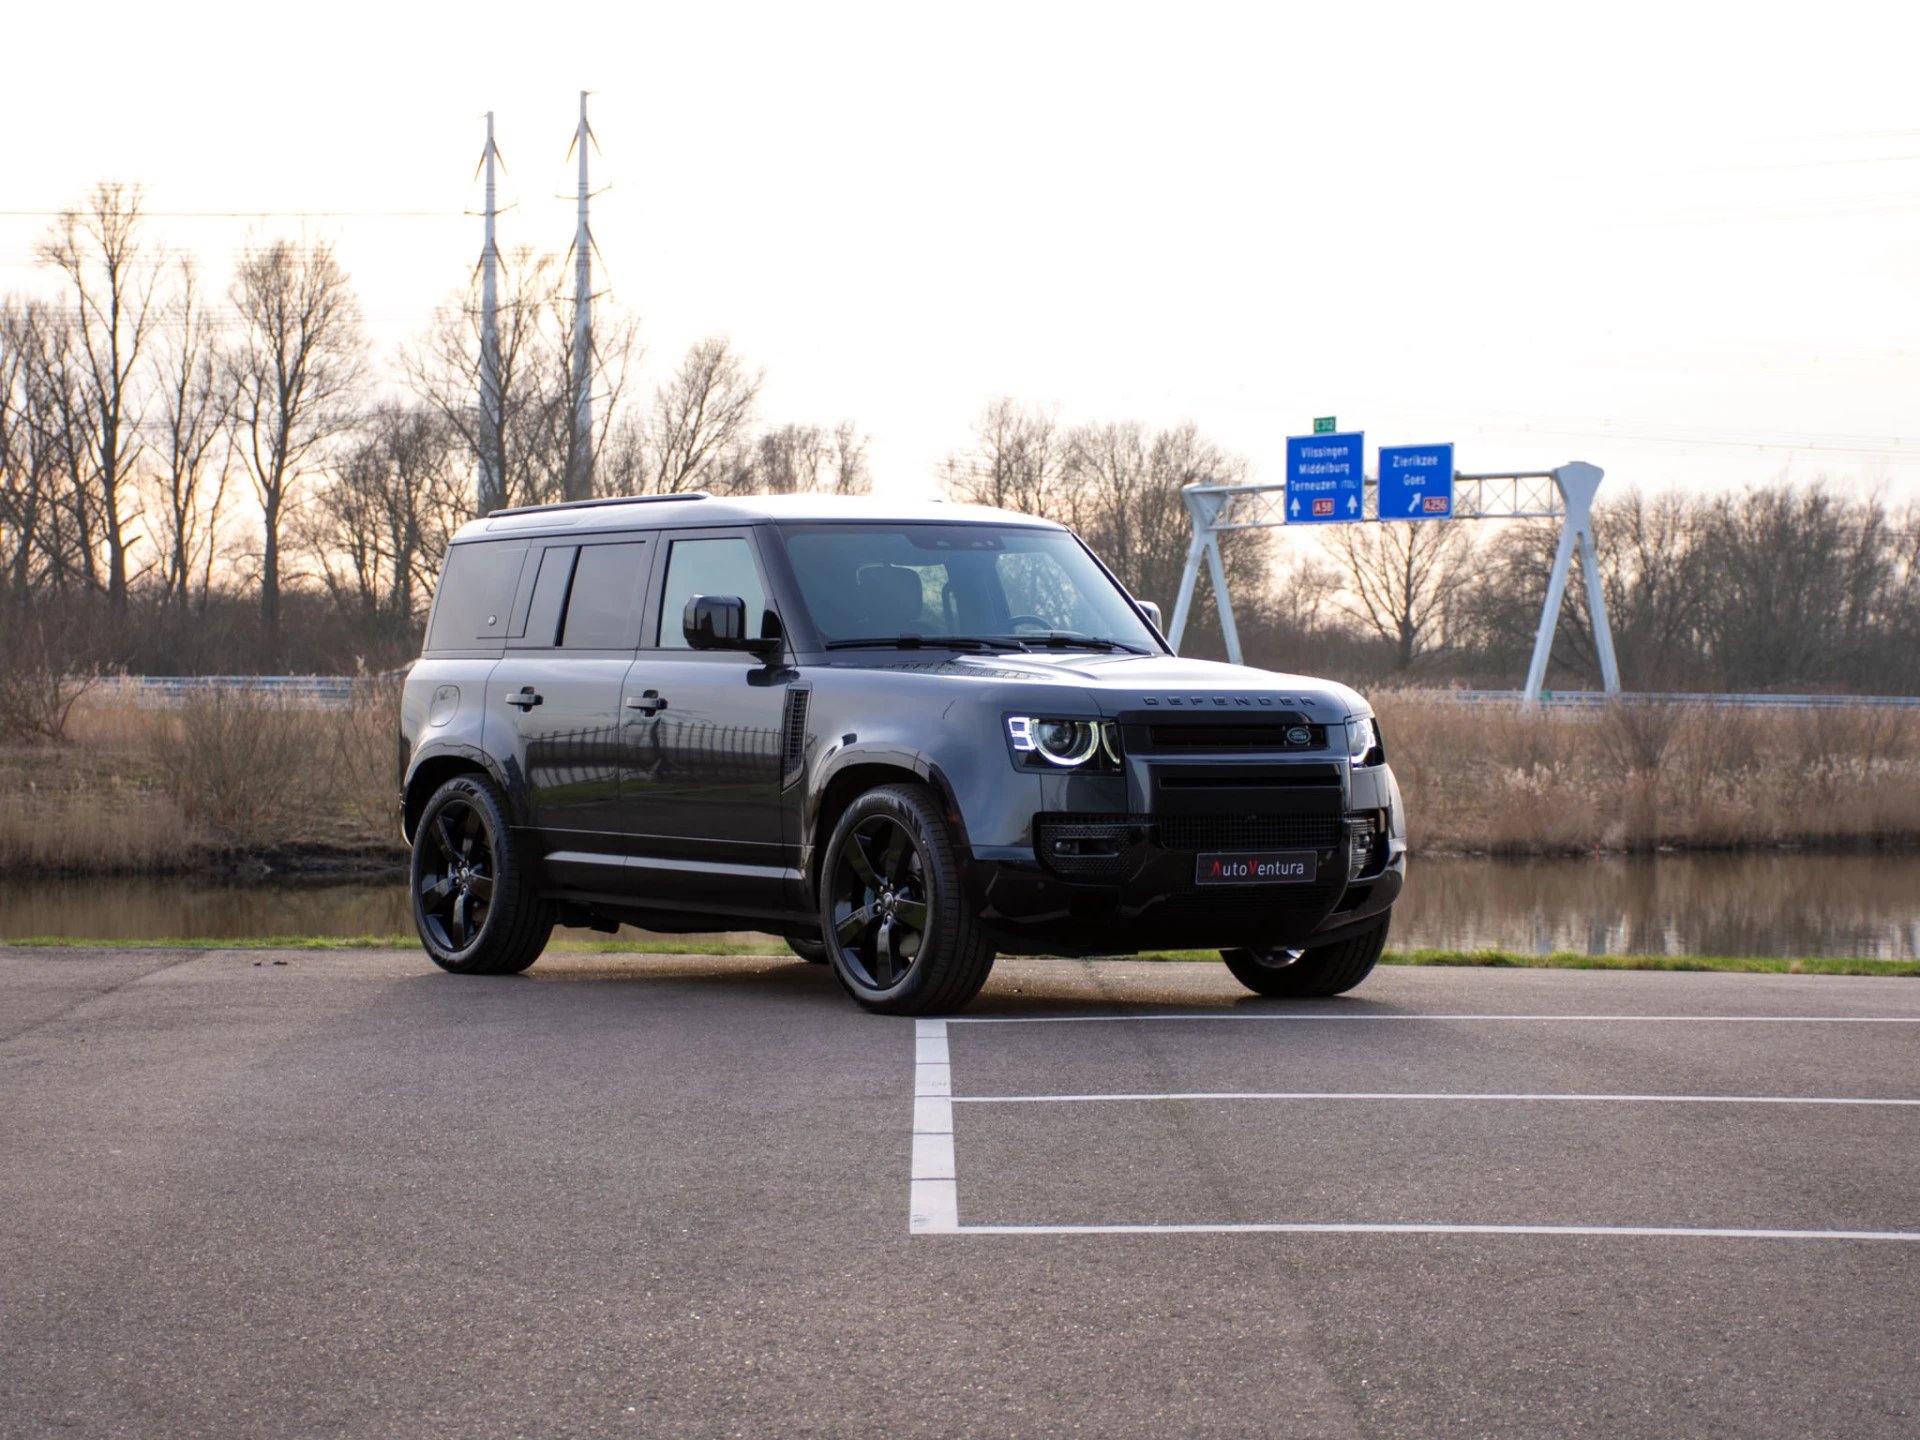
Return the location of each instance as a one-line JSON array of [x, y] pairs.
[[1564, 494], [579, 482], [491, 486]]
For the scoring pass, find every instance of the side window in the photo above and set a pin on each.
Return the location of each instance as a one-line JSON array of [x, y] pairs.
[[710, 567], [603, 607], [549, 602], [476, 594]]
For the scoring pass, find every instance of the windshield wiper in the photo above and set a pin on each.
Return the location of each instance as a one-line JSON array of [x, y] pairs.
[[927, 642], [1068, 640]]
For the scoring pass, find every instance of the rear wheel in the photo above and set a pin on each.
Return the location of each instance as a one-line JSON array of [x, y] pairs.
[[1306, 974], [473, 898], [897, 929]]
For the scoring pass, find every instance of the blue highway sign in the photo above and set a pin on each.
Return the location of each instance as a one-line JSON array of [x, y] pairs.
[[1326, 478], [1416, 482]]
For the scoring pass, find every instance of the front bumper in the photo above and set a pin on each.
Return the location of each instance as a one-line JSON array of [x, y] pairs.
[[1106, 884]]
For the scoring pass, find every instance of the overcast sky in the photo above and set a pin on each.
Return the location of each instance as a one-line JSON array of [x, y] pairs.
[[1682, 242]]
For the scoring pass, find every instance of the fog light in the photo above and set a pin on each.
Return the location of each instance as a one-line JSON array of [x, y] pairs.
[[1360, 836]]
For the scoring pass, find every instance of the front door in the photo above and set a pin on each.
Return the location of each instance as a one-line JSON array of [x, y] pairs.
[[702, 744]]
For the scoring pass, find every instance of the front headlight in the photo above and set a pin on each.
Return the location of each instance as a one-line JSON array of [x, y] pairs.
[[1363, 742], [1066, 744]]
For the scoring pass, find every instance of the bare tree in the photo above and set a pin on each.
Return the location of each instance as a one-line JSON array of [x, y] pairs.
[[1126, 502], [615, 354], [1306, 593], [1648, 552], [1123, 487], [379, 529], [1797, 578], [193, 401], [28, 465], [443, 369], [294, 372], [1016, 462], [791, 459], [699, 418], [1117, 484], [45, 495], [1405, 579], [98, 252], [851, 473], [535, 438]]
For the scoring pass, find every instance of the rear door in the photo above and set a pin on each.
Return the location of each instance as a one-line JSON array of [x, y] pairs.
[[557, 691], [703, 741]]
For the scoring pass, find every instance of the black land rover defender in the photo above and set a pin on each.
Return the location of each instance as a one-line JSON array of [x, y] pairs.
[[905, 737]]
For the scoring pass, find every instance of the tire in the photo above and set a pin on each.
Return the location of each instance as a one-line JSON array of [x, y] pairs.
[[814, 952], [1324, 970], [899, 934], [473, 899]]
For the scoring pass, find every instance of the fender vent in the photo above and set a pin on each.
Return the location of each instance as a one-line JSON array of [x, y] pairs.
[[793, 745]]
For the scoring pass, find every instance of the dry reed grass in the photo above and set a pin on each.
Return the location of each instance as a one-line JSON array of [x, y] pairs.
[[226, 777], [1640, 776], [220, 778]]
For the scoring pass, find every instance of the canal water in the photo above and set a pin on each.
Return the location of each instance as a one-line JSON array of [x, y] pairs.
[[1860, 906]]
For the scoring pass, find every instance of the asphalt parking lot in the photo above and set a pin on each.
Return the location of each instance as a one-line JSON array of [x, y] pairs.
[[350, 1195]]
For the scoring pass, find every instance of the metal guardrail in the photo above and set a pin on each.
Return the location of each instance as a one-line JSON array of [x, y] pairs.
[[311, 689], [1591, 698]]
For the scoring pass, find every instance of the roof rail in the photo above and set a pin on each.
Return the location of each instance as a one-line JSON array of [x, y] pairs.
[[607, 500]]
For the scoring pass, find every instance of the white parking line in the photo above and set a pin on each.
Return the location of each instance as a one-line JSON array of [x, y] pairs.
[[934, 1200], [1302, 1017], [1425, 1095], [934, 1203], [1311, 1228]]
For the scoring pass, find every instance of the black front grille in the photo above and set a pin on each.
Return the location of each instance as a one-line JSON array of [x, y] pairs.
[[1252, 736], [1096, 846], [1249, 832]]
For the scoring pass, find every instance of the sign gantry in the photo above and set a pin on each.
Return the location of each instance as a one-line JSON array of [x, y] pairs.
[[1411, 488]]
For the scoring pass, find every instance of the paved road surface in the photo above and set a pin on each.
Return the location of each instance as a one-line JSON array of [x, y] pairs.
[[349, 1195]]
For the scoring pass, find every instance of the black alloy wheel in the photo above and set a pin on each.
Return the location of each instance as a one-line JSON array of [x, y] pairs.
[[1313, 973], [473, 905], [897, 931], [455, 884], [880, 901]]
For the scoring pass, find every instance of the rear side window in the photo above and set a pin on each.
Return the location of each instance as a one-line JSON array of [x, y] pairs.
[[475, 601], [549, 603], [603, 608]]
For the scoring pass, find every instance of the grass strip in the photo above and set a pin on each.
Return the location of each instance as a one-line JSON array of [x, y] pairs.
[[698, 945], [653, 945], [1735, 964]]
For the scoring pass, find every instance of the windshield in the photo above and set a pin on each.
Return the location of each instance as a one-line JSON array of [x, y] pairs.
[[976, 582]]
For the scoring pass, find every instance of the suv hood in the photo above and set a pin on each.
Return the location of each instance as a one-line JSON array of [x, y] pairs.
[[1118, 682]]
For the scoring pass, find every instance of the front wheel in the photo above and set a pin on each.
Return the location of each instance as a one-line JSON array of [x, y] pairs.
[[1309, 974], [898, 931], [814, 952], [474, 902]]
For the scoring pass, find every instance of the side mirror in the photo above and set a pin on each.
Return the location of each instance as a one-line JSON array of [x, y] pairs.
[[1153, 614], [719, 622]]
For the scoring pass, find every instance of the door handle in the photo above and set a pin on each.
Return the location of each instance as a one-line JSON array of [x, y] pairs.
[[651, 703], [525, 697]]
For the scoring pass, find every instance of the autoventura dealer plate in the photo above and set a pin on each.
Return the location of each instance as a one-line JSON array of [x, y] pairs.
[[1255, 867]]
